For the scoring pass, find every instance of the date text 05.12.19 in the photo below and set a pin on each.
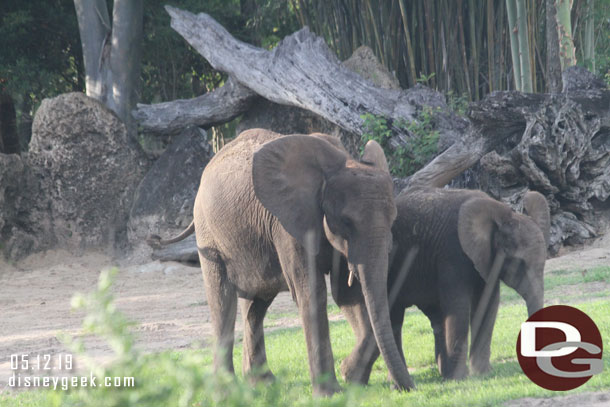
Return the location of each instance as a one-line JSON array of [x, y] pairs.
[[24, 361]]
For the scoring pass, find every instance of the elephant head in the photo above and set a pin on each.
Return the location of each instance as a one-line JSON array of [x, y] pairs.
[[488, 228], [312, 187]]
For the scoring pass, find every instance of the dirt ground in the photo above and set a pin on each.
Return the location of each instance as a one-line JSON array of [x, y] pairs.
[[166, 299]]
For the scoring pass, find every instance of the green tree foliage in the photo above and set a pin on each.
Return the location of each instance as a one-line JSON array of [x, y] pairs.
[[41, 56], [420, 148]]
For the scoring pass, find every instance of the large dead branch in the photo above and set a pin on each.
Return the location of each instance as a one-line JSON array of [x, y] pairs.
[[301, 71], [216, 107]]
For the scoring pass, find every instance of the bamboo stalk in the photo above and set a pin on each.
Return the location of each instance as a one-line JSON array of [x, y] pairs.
[[532, 42], [490, 44], [589, 40], [405, 26], [524, 51], [511, 8], [380, 52], [463, 47], [429, 41], [474, 55], [564, 32]]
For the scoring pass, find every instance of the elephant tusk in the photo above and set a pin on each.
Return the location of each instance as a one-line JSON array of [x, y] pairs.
[[350, 279]]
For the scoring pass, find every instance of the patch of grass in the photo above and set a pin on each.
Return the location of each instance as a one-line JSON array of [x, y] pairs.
[[184, 378], [555, 283]]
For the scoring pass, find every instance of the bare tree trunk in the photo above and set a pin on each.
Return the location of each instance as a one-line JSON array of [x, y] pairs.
[[111, 53], [9, 139], [125, 56], [94, 28], [553, 64]]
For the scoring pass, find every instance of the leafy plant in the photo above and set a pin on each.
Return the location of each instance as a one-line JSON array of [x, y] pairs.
[[425, 79], [457, 103], [166, 379], [419, 149]]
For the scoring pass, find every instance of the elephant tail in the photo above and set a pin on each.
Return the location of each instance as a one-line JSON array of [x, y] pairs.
[[155, 241]]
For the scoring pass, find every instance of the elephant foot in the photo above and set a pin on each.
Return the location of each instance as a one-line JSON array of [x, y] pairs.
[[263, 376], [353, 372], [410, 386], [326, 389], [480, 368], [456, 374]]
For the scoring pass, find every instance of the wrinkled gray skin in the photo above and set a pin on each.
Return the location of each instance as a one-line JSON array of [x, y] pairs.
[[262, 200], [445, 244]]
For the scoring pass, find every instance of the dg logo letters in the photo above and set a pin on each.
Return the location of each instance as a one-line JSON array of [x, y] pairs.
[[560, 348]]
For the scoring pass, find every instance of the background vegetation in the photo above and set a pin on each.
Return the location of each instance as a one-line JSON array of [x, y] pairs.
[[458, 47]]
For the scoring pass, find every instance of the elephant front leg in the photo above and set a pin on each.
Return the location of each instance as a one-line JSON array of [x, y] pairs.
[[482, 323], [312, 309], [309, 290], [254, 356]]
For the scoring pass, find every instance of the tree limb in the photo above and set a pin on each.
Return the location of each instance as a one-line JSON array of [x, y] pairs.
[[219, 106]]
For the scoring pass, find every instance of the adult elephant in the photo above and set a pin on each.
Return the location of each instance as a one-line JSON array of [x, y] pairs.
[[451, 248], [266, 198]]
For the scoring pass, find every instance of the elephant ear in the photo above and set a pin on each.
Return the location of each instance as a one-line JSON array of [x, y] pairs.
[[288, 174], [536, 207], [373, 155], [335, 141], [478, 220]]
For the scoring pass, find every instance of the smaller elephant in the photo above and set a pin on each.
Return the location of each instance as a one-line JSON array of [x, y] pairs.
[[451, 248]]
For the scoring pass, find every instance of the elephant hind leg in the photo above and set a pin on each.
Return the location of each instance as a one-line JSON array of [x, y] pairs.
[[254, 355], [356, 368], [437, 322], [455, 306], [222, 300]]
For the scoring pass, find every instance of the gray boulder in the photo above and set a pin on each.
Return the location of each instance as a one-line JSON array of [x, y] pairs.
[[80, 176], [15, 200], [164, 198], [364, 62]]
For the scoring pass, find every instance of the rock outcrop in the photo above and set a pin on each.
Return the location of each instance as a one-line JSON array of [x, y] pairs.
[[77, 181]]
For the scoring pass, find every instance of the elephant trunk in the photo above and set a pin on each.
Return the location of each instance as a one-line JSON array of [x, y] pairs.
[[373, 278], [532, 291], [534, 304]]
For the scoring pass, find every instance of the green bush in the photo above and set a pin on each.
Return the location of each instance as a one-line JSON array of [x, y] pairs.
[[419, 149]]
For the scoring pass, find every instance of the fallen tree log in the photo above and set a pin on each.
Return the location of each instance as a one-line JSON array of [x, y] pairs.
[[216, 107], [302, 71]]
